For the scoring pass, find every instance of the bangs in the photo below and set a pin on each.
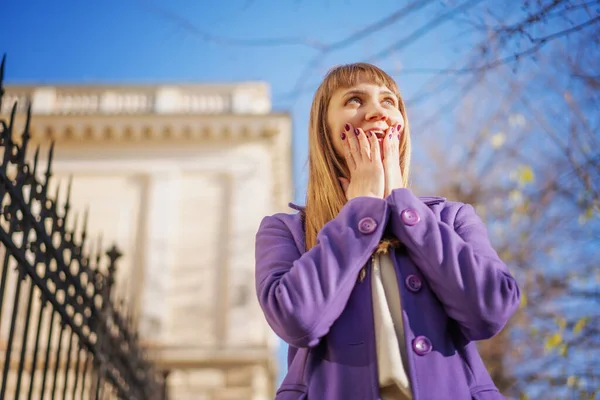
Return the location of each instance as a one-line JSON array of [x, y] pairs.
[[345, 76]]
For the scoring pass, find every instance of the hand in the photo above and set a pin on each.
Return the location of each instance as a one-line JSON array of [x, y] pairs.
[[391, 159], [364, 162]]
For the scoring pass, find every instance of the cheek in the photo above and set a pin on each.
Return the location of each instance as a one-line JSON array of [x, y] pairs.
[[338, 143], [399, 119]]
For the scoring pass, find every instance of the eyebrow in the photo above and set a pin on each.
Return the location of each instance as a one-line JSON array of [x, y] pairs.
[[362, 92]]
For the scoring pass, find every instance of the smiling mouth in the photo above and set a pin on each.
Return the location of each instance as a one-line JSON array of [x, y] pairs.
[[379, 134]]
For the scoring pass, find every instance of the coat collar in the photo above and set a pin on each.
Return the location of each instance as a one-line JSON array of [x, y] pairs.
[[429, 200]]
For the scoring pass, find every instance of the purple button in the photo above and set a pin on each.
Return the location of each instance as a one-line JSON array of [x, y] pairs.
[[367, 225], [421, 345], [410, 217], [413, 283]]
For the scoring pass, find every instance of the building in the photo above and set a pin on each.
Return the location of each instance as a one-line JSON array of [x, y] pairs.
[[179, 177]]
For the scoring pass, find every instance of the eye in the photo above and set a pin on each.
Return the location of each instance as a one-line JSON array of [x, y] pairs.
[[390, 100], [354, 99]]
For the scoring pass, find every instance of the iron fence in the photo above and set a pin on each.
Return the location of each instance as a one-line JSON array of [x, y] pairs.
[[62, 335]]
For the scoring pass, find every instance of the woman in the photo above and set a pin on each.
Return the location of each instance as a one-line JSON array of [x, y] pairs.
[[380, 294]]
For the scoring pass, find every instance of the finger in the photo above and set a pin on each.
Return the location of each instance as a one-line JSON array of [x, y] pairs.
[[400, 126], [363, 144], [375, 150], [391, 145], [353, 143], [348, 151]]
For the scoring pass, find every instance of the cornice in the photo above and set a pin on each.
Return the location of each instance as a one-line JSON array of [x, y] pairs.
[[140, 129]]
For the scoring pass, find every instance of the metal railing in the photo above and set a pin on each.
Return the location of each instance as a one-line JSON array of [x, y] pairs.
[[61, 333]]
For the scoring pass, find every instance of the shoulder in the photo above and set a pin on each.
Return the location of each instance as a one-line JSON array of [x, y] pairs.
[[454, 213], [290, 225]]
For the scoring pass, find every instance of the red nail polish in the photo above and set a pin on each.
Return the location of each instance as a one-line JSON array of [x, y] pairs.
[[343, 136], [398, 136], [399, 127], [390, 135], [347, 127], [392, 129], [356, 131]]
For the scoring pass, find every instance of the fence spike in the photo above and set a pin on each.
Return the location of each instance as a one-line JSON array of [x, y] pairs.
[[13, 113], [49, 166], [67, 205], [26, 135], [2, 79], [2, 67], [35, 159]]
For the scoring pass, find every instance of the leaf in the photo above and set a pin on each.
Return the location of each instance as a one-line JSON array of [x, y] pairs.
[[523, 302], [580, 324], [516, 196], [561, 322], [571, 381], [586, 216], [553, 341], [498, 140], [563, 349], [525, 175]]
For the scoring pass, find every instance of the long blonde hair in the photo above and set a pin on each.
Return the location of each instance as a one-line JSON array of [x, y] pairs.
[[325, 197]]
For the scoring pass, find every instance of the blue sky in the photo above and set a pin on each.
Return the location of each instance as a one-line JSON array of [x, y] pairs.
[[142, 42]]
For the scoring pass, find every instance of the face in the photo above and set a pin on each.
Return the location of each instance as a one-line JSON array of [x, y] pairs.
[[367, 106]]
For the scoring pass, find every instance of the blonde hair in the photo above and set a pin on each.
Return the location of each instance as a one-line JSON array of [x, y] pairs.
[[325, 197]]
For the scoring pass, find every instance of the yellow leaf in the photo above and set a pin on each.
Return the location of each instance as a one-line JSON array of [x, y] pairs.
[[571, 381], [523, 302], [580, 324], [553, 341], [526, 175], [561, 322], [562, 350], [523, 396]]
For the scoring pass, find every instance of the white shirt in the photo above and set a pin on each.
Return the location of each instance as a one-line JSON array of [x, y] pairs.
[[389, 332]]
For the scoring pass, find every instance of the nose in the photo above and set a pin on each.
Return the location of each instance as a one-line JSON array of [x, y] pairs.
[[376, 113]]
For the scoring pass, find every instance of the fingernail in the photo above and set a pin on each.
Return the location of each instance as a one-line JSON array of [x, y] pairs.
[[398, 136], [370, 133], [343, 136], [390, 135], [347, 127], [392, 129], [399, 127], [356, 131]]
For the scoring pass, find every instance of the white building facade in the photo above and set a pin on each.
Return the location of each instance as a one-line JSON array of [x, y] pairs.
[[179, 177]]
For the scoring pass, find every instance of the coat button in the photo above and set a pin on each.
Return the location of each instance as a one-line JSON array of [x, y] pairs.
[[367, 225], [421, 345], [410, 217], [413, 283]]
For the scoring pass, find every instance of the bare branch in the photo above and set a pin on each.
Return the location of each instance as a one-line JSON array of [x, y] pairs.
[[402, 13], [435, 22], [189, 26]]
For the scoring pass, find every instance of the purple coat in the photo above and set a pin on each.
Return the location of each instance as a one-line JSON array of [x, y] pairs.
[[454, 290]]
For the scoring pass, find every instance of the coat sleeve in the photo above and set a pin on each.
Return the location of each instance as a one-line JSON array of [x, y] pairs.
[[459, 263], [302, 295]]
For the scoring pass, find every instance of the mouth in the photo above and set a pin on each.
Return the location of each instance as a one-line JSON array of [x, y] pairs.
[[380, 135]]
